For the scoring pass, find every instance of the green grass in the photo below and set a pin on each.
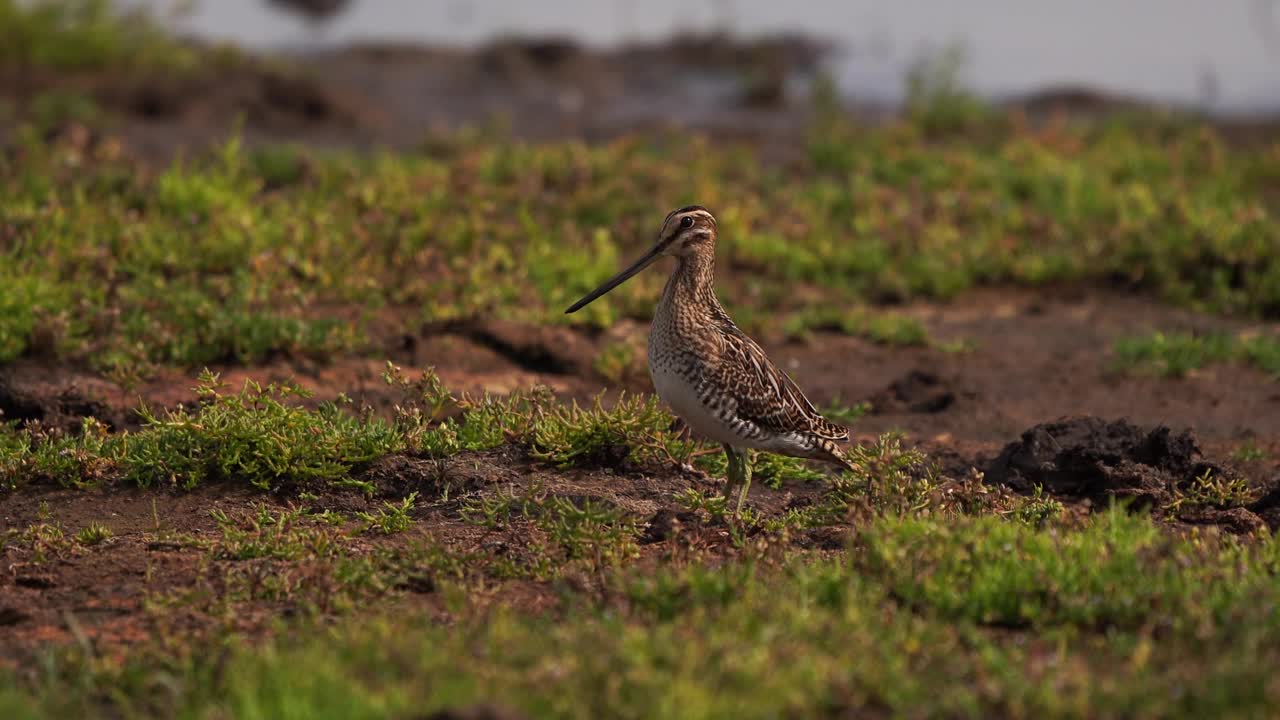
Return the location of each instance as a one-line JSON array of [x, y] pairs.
[[391, 518], [950, 597], [1176, 354], [93, 534], [265, 437], [923, 617], [880, 328], [77, 35], [239, 257], [845, 414], [1209, 490], [1248, 451]]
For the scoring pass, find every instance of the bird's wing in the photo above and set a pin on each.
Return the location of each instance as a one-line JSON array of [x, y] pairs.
[[765, 394]]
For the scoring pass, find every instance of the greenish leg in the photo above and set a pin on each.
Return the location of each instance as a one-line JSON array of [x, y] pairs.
[[731, 462], [745, 474], [739, 476]]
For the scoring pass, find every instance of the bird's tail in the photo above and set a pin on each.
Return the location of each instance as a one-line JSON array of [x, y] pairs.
[[829, 451]]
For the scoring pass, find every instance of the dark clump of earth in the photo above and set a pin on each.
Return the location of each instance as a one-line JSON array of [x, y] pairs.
[[476, 712], [668, 523], [1268, 506], [916, 392], [1090, 457], [30, 393]]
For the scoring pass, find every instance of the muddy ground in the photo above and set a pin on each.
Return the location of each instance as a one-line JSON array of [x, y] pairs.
[[1030, 358]]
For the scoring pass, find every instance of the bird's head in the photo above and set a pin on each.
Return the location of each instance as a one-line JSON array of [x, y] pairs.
[[688, 231]]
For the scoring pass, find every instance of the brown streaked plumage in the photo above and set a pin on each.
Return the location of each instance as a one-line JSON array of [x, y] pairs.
[[713, 376]]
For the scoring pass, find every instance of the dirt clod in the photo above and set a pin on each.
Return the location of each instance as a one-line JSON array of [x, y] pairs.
[[55, 399], [476, 712], [1098, 459], [399, 475], [1235, 520], [38, 582], [421, 583], [823, 538], [916, 392], [1267, 507], [12, 616], [666, 524], [542, 349]]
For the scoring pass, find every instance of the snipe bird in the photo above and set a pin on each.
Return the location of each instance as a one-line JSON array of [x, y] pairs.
[[712, 375]]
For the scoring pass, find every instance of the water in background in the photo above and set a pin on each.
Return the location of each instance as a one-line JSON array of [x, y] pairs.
[[1219, 55]]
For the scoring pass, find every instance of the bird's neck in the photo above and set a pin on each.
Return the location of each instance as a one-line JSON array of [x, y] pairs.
[[692, 283]]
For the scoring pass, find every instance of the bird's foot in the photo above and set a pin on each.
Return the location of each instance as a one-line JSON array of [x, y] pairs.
[[688, 469]]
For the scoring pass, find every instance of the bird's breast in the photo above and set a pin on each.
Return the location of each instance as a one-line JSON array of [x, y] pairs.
[[678, 382]]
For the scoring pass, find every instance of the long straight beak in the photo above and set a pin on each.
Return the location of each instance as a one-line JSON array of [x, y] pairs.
[[618, 279]]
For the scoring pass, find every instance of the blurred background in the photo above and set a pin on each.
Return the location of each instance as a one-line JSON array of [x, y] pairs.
[[386, 72], [1218, 56]]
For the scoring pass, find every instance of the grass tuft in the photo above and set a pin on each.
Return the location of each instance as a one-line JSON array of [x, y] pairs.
[[392, 518], [94, 534], [252, 436], [635, 429], [1177, 354]]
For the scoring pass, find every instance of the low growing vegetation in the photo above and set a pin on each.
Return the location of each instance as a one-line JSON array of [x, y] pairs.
[[968, 616], [1175, 354], [79, 35], [263, 437], [940, 595], [207, 261]]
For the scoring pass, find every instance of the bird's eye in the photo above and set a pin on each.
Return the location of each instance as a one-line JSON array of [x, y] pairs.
[[687, 222]]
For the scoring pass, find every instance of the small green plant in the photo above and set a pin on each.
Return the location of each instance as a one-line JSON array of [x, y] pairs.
[[774, 470], [1262, 352], [634, 428], [1213, 490], [1173, 354], [1037, 509], [1248, 451], [896, 330], [844, 414], [880, 328], [589, 528], [887, 480], [94, 534], [496, 510], [1176, 354], [485, 423], [936, 99], [392, 518], [961, 346], [694, 500], [38, 454], [617, 362], [45, 540], [283, 534]]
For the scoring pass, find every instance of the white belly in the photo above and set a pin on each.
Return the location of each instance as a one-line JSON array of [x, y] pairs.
[[679, 393]]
